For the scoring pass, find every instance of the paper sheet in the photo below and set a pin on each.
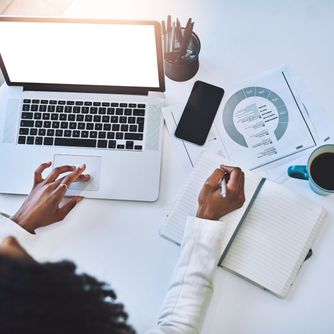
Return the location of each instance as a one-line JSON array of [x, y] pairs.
[[266, 123]]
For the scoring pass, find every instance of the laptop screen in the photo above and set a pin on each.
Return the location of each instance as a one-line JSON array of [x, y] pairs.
[[112, 53]]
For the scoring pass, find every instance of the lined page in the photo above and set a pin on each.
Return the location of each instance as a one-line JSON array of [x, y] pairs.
[[274, 239], [186, 203]]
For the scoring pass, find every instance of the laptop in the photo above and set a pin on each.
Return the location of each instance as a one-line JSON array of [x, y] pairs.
[[82, 91]]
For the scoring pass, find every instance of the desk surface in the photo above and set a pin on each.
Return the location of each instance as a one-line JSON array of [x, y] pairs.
[[119, 242]]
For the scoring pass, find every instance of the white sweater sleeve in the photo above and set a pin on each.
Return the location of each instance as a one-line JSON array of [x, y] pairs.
[[10, 228], [190, 290]]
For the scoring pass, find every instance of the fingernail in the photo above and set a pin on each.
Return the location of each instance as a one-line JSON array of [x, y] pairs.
[[79, 199], [83, 166]]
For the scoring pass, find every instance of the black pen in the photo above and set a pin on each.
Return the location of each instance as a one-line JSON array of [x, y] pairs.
[[178, 32], [164, 34], [186, 38]]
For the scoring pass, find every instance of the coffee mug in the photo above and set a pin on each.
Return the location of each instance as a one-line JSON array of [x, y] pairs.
[[319, 170]]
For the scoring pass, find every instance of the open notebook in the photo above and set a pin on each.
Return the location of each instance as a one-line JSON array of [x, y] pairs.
[[267, 239]]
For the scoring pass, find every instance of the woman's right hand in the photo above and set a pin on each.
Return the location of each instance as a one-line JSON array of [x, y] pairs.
[[211, 204]]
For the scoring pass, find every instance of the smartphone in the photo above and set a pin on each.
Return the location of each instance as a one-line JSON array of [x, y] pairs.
[[199, 112]]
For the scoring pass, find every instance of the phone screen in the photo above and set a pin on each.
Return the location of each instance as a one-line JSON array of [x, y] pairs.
[[199, 112]]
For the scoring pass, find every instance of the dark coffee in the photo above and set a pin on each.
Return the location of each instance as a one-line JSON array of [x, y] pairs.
[[322, 170]]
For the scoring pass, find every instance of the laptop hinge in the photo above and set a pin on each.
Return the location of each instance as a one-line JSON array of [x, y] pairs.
[[86, 89]]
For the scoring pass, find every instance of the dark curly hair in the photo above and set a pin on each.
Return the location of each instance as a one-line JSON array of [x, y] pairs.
[[52, 298]]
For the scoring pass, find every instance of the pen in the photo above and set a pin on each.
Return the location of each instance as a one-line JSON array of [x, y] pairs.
[[186, 37], [223, 187], [169, 30], [172, 38]]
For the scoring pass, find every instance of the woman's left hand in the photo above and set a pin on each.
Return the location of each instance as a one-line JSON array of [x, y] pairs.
[[42, 206]]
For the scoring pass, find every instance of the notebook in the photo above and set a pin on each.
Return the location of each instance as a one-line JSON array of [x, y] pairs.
[[266, 240]]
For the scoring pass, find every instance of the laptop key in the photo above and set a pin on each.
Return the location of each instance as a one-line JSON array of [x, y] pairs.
[[88, 103], [59, 133], [105, 104], [78, 142], [138, 147], [71, 117], [93, 110], [38, 124], [27, 115], [62, 102], [37, 115], [114, 104], [111, 135], [70, 103], [48, 141], [114, 119], [97, 119], [46, 116], [88, 118], [132, 105], [54, 117], [102, 135], [42, 107], [105, 119], [28, 124], [73, 125], [76, 133], [133, 128], [112, 144], [76, 110], [129, 145], [102, 143], [120, 147], [60, 109], [41, 132], [133, 136], [53, 102], [139, 112], [89, 126], [44, 101], [81, 126], [26, 101], [141, 105], [35, 101], [79, 103], [115, 127], [68, 109], [122, 119], [102, 111], [50, 132], [67, 133], [119, 135], [98, 126], [93, 134], [123, 105], [119, 111], [22, 140], [128, 112], [26, 107], [96, 104], [124, 127], [111, 111], [24, 131], [131, 120], [38, 140], [33, 132], [80, 118], [51, 108], [34, 107], [62, 117], [30, 140], [107, 127], [140, 127], [84, 134], [64, 125], [85, 110]]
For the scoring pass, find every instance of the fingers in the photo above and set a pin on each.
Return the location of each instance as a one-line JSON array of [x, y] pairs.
[[67, 207], [236, 177], [81, 178], [57, 171], [70, 178], [38, 172], [215, 178]]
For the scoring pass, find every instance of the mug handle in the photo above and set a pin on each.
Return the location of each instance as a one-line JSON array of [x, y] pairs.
[[298, 172]]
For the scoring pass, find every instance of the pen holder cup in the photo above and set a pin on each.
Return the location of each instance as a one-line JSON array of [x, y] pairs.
[[184, 69]]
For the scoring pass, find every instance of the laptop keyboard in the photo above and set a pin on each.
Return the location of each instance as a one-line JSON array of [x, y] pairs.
[[82, 124]]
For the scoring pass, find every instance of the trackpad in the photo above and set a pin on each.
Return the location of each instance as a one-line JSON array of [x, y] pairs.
[[93, 168]]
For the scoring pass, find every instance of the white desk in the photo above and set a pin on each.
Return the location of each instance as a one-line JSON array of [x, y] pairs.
[[119, 242]]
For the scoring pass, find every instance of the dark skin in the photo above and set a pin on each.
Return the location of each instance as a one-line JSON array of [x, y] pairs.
[[43, 207]]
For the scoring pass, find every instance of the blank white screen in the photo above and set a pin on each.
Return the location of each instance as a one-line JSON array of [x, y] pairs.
[[80, 54]]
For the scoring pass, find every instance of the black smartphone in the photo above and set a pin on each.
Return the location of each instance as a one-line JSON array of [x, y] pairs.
[[199, 112]]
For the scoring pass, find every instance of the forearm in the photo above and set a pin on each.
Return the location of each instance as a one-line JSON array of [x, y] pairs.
[[190, 291]]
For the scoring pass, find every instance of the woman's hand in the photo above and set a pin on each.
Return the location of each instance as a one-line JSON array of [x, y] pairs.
[[211, 205], [42, 206]]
